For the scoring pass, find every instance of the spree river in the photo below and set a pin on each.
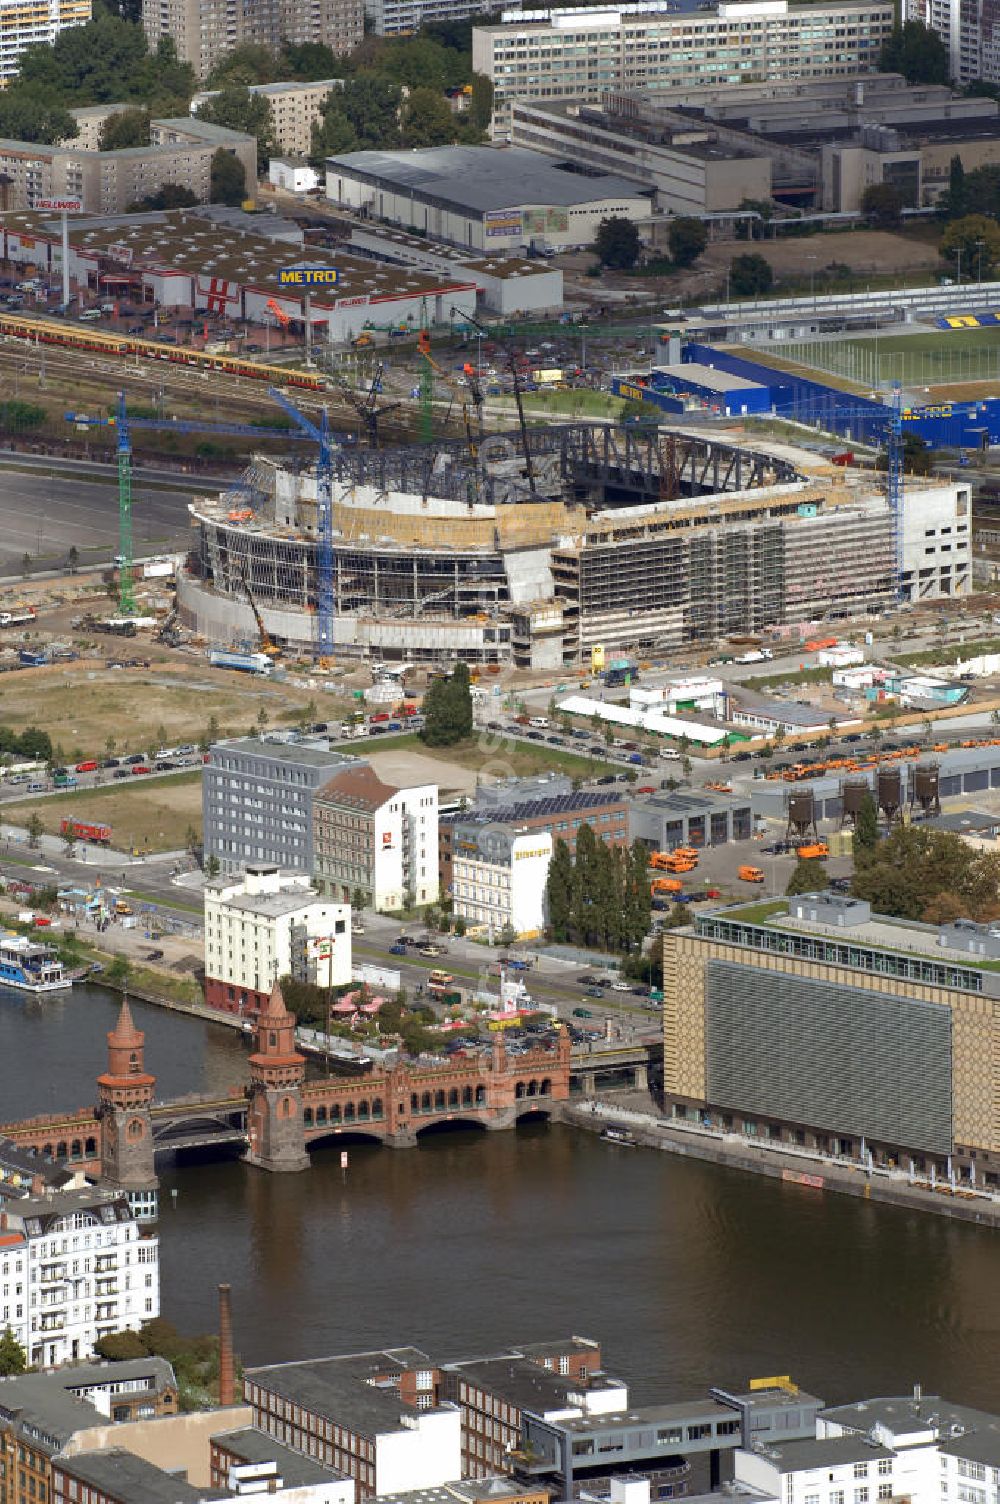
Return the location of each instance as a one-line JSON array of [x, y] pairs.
[[689, 1274]]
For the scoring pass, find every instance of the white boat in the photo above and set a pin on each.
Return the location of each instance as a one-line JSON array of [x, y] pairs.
[[31, 967]]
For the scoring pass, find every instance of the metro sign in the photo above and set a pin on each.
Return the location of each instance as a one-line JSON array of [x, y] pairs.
[[308, 276]]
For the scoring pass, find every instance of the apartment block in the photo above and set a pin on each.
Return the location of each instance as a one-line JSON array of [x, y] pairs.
[[297, 107], [267, 925], [581, 54], [970, 31], [257, 802], [30, 23], [377, 840], [402, 17], [110, 182], [203, 31]]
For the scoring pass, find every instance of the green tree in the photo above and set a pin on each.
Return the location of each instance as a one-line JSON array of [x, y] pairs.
[[127, 128], [35, 115], [559, 892], [807, 876], [975, 240], [426, 120], [865, 838], [882, 205], [750, 275], [310, 61], [13, 1358], [481, 103], [507, 935], [249, 64], [448, 709], [372, 106], [239, 110], [617, 244], [956, 200], [227, 177], [170, 196], [73, 558], [917, 52], [118, 1347], [92, 64], [35, 829], [26, 564], [332, 135], [687, 239]]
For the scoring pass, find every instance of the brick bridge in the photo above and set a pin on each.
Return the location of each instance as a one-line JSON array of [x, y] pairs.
[[279, 1115]]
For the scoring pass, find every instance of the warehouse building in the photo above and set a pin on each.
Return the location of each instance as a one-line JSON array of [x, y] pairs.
[[814, 1022], [580, 54], [507, 284], [481, 197], [665, 820], [231, 265]]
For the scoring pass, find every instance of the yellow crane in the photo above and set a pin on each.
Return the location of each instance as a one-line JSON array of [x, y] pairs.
[[267, 645]]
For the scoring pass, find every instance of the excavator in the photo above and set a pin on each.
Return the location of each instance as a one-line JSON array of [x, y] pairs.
[[267, 645]]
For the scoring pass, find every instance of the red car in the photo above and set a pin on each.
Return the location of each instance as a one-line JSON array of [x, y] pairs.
[[140, 768]]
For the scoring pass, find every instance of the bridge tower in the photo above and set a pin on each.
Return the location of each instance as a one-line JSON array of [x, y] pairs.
[[124, 1098], [277, 1070]]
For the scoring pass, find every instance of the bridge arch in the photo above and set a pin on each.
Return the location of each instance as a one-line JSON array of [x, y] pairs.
[[342, 1137], [442, 1125]]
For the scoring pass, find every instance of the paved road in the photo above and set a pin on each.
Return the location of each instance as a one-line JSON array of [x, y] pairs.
[[46, 512]]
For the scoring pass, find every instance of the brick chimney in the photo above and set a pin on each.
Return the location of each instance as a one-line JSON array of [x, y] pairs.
[[227, 1363]]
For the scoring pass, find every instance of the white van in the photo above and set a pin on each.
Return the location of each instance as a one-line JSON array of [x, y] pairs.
[[539, 721], [670, 754]]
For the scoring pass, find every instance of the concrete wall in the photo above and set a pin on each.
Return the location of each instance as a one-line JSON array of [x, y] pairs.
[[170, 1441]]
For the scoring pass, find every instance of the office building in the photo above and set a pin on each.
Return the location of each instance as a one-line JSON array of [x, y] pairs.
[[267, 925], [606, 811], [58, 1306], [579, 54], [375, 840], [375, 1416], [481, 197], [203, 31], [257, 802], [110, 182], [820, 1024], [25, 23], [499, 875]]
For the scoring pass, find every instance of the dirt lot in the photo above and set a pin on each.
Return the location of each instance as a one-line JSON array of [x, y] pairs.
[[456, 769], [86, 707], [152, 814], [876, 251]]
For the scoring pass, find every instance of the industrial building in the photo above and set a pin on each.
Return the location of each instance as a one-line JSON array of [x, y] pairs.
[[229, 263], [665, 820], [580, 54], [691, 171], [508, 285], [111, 182], [828, 139], [25, 24], [621, 538], [483, 198], [814, 1022], [918, 784]]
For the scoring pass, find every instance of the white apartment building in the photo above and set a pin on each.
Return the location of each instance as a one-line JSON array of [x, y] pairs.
[[25, 23], [401, 17], [377, 840], [836, 1470], [580, 54], [499, 877], [74, 1266], [969, 29], [265, 925], [296, 107]]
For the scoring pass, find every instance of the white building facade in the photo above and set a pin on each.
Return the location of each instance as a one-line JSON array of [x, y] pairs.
[[266, 925], [75, 1266], [499, 879], [375, 840]]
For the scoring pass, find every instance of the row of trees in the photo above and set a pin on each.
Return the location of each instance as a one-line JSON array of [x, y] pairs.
[[601, 898], [618, 244]]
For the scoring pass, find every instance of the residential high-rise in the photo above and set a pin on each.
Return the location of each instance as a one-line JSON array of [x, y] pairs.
[[25, 23], [203, 31], [580, 54], [969, 29]]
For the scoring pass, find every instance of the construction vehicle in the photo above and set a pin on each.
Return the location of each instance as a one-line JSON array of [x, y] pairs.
[[665, 885], [284, 319], [686, 853], [750, 874], [267, 645], [814, 851]]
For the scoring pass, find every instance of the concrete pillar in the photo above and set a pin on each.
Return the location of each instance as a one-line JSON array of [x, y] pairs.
[[589, 1083], [640, 1078]]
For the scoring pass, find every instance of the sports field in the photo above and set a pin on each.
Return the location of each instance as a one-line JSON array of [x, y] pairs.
[[927, 358]]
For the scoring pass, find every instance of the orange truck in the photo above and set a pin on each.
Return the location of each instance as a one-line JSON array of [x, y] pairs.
[[813, 851], [750, 874], [665, 885]]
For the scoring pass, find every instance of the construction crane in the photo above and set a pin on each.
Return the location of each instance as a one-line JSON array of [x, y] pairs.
[[284, 319], [267, 644], [424, 347], [124, 560], [320, 435], [529, 469], [368, 408]]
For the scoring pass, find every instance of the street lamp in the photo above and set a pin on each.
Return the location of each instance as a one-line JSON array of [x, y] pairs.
[[980, 247]]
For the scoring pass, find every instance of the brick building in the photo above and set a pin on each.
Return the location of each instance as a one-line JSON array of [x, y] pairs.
[[561, 815]]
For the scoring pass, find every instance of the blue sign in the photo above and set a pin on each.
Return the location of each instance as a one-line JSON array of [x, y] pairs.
[[308, 276]]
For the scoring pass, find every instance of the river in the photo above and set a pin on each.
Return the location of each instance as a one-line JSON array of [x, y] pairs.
[[688, 1273]]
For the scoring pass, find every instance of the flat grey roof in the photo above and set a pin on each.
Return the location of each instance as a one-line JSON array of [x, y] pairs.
[[903, 1413], [40, 1405], [132, 1479], [341, 1389], [484, 178], [667, 803], [294, 752], [95, 1375], [793, 1456], [707, 376], [782, 710], [295, 1469]]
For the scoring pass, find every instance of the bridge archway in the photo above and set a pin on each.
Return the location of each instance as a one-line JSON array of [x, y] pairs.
[[443, 1126], [342, 1138]]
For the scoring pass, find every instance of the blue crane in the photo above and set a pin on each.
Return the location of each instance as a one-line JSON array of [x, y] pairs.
[[320, 435], [126, 585]]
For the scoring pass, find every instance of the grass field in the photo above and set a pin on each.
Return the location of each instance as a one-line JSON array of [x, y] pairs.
[[515, 758], [152, 814], [85, 712], [926, 358]]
